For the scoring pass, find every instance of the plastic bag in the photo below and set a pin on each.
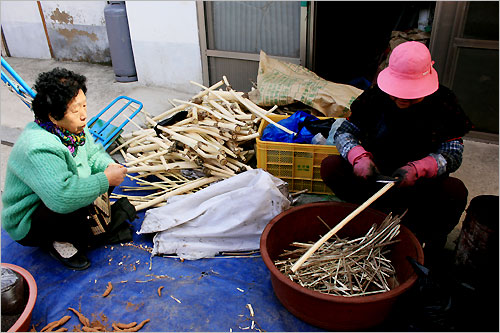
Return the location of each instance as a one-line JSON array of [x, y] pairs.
[[322, 126], [333, 129], [295, 123], [318, 139], [226, 216]]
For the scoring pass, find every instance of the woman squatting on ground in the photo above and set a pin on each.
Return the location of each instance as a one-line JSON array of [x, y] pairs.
[[411, 127], [55, 171]]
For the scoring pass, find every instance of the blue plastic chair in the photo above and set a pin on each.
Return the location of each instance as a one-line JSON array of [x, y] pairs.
[[103, 132]]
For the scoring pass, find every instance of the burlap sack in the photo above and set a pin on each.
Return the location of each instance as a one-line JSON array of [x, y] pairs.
[[282, 83], [399, 37]]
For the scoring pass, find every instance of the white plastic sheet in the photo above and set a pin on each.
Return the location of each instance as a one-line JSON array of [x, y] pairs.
[[224, 217]]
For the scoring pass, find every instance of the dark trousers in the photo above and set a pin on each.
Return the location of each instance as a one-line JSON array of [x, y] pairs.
[[434, 205], [48, 226]]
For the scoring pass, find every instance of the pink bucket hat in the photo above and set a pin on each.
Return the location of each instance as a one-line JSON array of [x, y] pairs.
[[410, 73]]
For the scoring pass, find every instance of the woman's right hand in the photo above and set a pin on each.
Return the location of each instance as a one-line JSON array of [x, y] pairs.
[[115, 174]]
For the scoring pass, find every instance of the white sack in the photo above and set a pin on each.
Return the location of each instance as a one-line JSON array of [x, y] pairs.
[[226, 216]]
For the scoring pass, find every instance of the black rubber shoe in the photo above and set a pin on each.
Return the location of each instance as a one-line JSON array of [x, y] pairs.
[[78, 261]]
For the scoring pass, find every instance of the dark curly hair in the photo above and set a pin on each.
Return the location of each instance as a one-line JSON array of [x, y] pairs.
[[54, 91]]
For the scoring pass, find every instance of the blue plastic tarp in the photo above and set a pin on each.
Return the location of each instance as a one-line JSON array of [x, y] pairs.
[[200, 295]]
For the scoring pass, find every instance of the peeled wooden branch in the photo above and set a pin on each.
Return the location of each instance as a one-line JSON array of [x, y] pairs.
[[128, 142], [212, 112], [144, 132], [259, 114], [228, 116], [169, 166], [143, 149], [206, 140], [183, 189], [183, 106], [212, 131], [339, 226], [147, 157], [222, 171], [176, 136], [213, 92], [248, 137]]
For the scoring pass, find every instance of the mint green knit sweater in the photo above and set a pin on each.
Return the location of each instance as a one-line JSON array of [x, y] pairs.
[[40, 168]]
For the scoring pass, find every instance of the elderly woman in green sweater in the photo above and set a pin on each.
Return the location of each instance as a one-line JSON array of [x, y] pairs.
[[55, 171]]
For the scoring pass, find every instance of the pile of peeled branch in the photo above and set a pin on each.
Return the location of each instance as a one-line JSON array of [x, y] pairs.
[[346, 267], [191, 145]]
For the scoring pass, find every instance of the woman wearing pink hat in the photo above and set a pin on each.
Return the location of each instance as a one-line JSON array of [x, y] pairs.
[[410, 127]]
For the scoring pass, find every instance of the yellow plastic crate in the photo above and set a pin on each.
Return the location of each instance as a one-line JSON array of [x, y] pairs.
[[297, 164]]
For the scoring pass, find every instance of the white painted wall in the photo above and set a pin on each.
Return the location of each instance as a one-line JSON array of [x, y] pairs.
[[165, 42], [23, 29]]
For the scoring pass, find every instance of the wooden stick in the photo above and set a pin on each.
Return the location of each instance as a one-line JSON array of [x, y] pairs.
[[217, 94], [259, 113], [247, 137], [229, 117], [137, 133], [210, 111], [128, 142], [187, 187], [143, 149], [160, 167], [219, 107], [339, 226], [181, 138], [183, 106], [145, 158]]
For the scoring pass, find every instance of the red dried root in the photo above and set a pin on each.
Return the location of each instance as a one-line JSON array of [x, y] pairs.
[[84, 320], [50, 326], [159, 291], [122, 326], [131, 329], [108, 290], [62, 329], [138, 327], [98, 327]]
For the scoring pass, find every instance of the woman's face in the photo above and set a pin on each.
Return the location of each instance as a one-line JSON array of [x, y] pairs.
[[75, 118], [405, 103]]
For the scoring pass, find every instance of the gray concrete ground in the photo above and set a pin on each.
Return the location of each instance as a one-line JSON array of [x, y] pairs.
[[479, 170]]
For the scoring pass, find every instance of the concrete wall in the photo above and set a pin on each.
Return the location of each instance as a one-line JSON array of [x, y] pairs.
[[77, 30], [165, 42], [23, 29], [164, 36]]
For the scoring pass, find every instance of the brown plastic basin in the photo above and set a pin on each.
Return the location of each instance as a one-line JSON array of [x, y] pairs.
[[327, 311]]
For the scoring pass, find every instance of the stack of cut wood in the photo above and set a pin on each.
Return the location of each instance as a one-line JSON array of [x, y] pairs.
[[211, 141]]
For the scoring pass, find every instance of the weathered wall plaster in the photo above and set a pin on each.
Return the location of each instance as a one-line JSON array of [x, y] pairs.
[[77, 30], [164, 36]]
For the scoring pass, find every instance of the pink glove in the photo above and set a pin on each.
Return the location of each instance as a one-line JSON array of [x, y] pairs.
[[424, 168], [362, 163]]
